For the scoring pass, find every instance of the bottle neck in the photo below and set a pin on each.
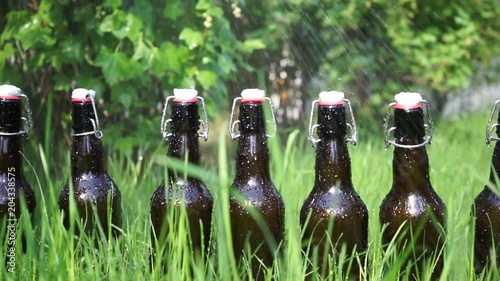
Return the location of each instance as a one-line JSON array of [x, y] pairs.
[[184, 139], [87, 151], [495, 160], [410, 165], [333, 165], [10, 146], [10, 154], [252, 155]]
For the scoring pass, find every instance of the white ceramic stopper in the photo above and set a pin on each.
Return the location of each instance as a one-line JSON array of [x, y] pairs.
[[9, 90], [185, 94], [81, 93], [253, 94], [331, 97], [408, 99]]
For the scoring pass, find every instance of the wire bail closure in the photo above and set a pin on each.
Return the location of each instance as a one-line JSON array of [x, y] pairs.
[[353, 139], [429, 128], [165, 122], [95, 122], [489, 127], [232, 124], [28, 121]]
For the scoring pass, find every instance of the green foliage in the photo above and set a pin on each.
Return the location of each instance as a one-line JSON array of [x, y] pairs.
[[133, 53], [129, 51]]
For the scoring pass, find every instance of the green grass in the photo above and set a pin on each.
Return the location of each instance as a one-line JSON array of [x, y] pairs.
[[459, 162]]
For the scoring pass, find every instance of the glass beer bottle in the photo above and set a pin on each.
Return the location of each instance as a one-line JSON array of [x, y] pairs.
[[257, 211], [13, 185], [412, 204], [97, 198], [334, 216], [486, 208], [183, 190]]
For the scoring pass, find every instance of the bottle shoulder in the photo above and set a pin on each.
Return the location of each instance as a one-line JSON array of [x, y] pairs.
[[92, 185], [487, 197], [191, 192], [16, 189], [412, 204], [343, 201]]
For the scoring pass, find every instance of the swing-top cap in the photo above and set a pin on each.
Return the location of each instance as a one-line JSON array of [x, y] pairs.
[[253, 95], [81, 94], [331, 98], [185, 95], [406, 100], [9, 92]]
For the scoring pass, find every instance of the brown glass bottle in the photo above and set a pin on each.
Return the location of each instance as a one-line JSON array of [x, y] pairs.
[[257, 211], [13, 185], [334, 212], [412, 201], [486, 212], [93, 188], [183, 190]]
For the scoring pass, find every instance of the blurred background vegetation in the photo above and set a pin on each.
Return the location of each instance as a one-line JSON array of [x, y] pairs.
[[134, 52]]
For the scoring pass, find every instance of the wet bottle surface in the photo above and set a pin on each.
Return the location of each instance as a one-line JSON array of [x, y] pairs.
[[336, 216], [486, 209], [412, 201], [183, 190], [96, 196], [257, 211], [13, 185]]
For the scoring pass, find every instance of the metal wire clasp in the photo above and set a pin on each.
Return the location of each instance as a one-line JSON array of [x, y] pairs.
[[95, 122], [232, 124], [429, 128], [28, 121], [352, 127], [164, 121], [489, 127]]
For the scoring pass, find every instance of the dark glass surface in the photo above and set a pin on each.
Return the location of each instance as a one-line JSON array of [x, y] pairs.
[[13, 185], [95, 193], [337, 215], [486, 209], [412, 201], [257, 211], [183, 190]]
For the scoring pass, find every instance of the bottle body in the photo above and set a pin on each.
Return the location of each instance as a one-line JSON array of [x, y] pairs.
[[334, 216], [96, 196], [198, 204], [183, 190], [13, 185], [257, 211], [412, 204], [257, 217], [487, 228], [486, 213]]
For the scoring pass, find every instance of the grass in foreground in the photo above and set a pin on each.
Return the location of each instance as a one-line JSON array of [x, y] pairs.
[[459, 162]]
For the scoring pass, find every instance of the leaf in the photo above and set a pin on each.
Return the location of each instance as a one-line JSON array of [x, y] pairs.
[[124, 93], [192, 37], [117, 66], [168, 57], [113, 3], [86, 80], [207, 78], [251, 45], [203, 5], [173, 10], [62, 82], [142, 51], [122, 25], [6, 53]]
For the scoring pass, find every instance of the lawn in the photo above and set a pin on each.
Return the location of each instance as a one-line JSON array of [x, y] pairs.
[[459, 161]]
